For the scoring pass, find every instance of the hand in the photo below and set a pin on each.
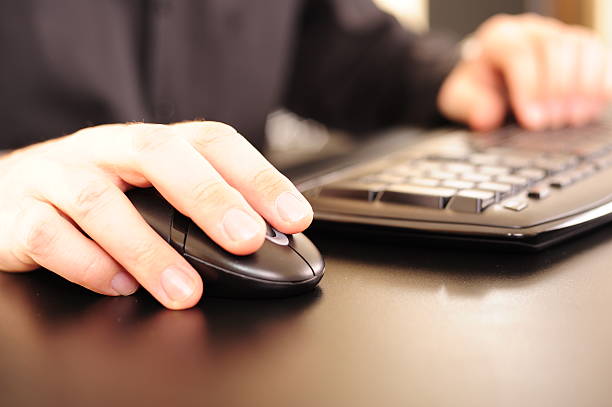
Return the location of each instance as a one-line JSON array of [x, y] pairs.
[[550, 74], [50, 192]]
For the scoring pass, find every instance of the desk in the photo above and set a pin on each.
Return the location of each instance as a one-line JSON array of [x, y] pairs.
[[389, 326]]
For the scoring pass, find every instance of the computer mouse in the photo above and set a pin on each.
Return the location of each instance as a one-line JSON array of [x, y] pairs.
[[285, 265]]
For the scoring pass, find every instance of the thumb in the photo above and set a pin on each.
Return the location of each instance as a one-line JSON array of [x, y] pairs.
[[474, 94]]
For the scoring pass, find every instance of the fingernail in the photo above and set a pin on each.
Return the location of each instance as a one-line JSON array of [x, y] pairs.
[[124, 284], [239, 226], [176, 283], [534, 115], [290, 208]]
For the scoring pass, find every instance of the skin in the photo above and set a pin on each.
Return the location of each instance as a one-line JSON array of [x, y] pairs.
[[53, 193], [549, 74], [54, 190]]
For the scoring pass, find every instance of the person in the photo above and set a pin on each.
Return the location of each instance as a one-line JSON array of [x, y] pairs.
[[84, 81]]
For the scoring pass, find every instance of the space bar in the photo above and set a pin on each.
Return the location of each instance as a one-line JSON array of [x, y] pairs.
[[431, 197]]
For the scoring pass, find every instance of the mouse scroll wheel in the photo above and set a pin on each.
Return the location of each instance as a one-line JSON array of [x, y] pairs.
[[276, 237]]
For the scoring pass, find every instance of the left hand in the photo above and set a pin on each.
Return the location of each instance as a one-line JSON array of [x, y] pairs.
[[548, 73]]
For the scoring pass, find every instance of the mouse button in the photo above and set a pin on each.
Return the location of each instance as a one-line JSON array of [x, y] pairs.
[[279, 263], [178, 231], [276, 237], [153, 208], [271, 262], [270, 231], [309, 252], [200, 246]]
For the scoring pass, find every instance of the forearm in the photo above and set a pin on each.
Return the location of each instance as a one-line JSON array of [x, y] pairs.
[[364, 76]]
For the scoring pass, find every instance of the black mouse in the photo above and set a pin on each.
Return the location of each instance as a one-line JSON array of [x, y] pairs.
[[285, 265]]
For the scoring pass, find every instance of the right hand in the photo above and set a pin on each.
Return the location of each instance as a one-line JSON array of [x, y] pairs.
[[50, 193]]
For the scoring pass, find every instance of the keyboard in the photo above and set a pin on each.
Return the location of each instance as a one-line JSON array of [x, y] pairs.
[[511, 188]]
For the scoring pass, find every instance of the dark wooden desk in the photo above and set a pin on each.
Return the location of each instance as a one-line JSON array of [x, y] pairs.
[[389, 326]]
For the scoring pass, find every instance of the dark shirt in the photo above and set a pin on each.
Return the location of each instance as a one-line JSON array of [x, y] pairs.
[[69, 64]]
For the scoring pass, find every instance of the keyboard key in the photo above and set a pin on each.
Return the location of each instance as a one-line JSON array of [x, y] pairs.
[[484, 159], [492, 170], [603, 162], [441, 175], [569, 160], [561, 181], [405, 170], [574, 175], [517, 161], [458, 184], [584, 170], [428, 165], [471, 201], [516, 204], [459, 167], [589, 150], [425, 182], [502, 191], [385, 178], [541, 191], [552, 166], [362, 191], [449, 156], [518, 183], [532, 174], [475, 177], [417, 195]]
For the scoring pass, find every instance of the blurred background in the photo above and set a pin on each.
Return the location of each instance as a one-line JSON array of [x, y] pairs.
[[462, 17], [292, 140]]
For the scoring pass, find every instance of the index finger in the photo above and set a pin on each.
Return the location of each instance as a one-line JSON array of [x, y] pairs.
[[515, 54], [268, 191]]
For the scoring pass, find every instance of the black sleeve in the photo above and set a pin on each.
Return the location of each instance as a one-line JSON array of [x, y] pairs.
[[356, 68]]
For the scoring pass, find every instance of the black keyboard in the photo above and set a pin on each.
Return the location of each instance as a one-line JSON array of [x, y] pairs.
[[510, 187]]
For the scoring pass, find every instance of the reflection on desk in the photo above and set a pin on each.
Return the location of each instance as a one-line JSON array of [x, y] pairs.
[[390, 326]]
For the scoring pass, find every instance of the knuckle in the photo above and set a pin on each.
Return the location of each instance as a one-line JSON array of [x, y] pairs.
[[91, 197], [529, 16], [580, 33], [552, 23], [39, 236], [213, 132], [220, 128], [538, 20], [504, 27], [150, 137], [499, 19], [143, 253], [90, 275], [210, 194], [268, 181]]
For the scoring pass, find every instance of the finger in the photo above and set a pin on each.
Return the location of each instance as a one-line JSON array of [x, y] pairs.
[[569, 68], [510, 49], [608, 75], [268, 191], [474, 95], [109, 218], [51, 241], [591, 76], [559, 71], [188, 181], [544, 35]]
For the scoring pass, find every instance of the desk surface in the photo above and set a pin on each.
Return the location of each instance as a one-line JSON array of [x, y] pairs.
[[389, 326]]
